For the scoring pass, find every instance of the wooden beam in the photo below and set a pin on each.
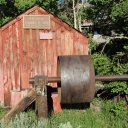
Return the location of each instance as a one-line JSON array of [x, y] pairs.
[[21, 106]]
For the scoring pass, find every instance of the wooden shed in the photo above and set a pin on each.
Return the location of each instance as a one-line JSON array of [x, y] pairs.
[[29, 46]]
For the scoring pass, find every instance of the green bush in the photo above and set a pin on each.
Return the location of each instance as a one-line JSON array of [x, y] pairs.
[[102, 64], [4, 20], [119, 68], [117, 87], [118, 110], [105, 66]]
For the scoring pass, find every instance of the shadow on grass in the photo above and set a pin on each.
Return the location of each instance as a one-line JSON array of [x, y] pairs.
[[76, 106]]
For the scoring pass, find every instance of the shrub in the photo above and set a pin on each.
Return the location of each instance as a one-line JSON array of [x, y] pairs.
[[117, 87], [102, 64]]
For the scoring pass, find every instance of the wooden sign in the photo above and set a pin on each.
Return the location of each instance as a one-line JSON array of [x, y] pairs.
[[46, 35], [36, 22]]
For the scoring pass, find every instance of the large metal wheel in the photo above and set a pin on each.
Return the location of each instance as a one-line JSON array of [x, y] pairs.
[[77, 79]]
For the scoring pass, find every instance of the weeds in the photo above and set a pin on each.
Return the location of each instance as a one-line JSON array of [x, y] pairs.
[[111, 116]]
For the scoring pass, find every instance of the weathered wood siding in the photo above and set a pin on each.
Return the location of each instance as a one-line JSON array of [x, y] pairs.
[[23, 54]]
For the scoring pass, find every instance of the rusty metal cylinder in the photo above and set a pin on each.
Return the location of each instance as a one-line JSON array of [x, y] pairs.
[[77, 78]]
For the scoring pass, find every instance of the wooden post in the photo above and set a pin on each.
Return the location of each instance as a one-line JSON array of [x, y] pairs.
[[41, 101], [42, 106]]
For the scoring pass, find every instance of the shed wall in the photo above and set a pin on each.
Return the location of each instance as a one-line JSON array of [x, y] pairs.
[[23, 54]]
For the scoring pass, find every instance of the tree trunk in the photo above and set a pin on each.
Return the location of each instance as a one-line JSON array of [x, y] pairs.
[[80, 24], [74, 14]]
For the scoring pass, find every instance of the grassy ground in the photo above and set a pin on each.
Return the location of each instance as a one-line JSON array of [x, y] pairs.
[[3, 111], [102, 114]]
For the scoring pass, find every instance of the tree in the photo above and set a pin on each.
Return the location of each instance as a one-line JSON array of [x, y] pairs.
[[66, 11], [7, 10], [11, 8], [119, 15], [109, 15], [73, 12]]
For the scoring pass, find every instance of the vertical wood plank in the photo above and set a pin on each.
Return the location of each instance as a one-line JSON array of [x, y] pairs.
[[49, 57], [6, 55], [45, 57], [29, 56], [85, 45], [81, 46], [13, 58], [75, 38], [19, 35], [31, 53], [42, 55], [24, 72], [58, 39], [54, 60], [71, 43], [34, 49], [1, 70], [12, 75], [17, 58], [54, 54], [21, 53], [54, 67], [62, 41], [66, 44]]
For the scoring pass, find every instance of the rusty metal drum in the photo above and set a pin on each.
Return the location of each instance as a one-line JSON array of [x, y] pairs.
[[77, 78]]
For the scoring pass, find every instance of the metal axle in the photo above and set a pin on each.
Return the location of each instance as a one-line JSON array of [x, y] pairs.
[[97, 78], [112, 78]]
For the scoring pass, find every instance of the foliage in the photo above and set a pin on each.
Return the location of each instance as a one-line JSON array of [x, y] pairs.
[[109, 15], [66, 10], [22, 5], [2, 2], [118, 110], [118, 87], [11, 8], [7, 9], [4, 20], [105, 66], [51, 5], [112, 115], [92, 45], [119, 68], [3, 111], [126, 47], [120, 10], [26, 120], [102, 64]]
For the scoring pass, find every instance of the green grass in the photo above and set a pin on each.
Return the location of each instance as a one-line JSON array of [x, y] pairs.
[[110, 116], [79, 119], [3, 111]]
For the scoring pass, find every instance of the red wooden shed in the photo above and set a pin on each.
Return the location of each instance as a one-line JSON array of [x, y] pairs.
[[29, 46]]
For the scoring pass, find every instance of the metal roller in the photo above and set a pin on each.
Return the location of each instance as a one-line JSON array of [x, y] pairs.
[[77, 78]]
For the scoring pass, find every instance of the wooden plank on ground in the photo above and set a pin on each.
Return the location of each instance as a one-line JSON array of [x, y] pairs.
[[21, 106]]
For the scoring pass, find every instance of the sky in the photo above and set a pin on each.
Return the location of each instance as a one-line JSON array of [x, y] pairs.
[[60, 1]]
